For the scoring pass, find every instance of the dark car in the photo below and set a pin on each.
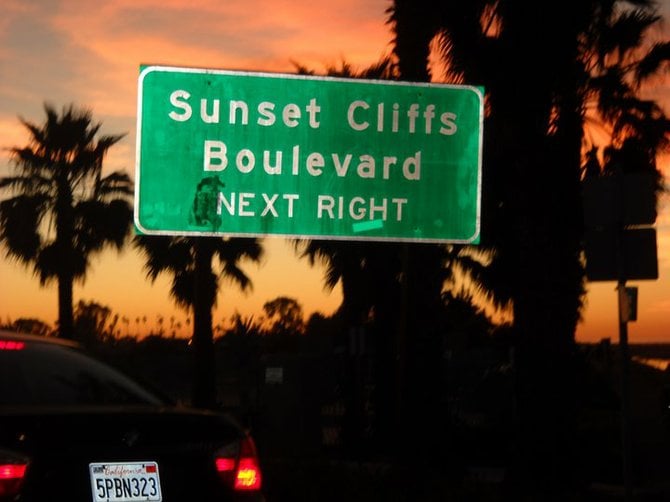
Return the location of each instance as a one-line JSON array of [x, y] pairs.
[[73, 428]]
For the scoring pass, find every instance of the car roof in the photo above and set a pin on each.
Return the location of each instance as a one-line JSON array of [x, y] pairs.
[[6, 334]]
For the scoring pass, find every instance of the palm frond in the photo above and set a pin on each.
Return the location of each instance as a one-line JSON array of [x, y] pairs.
[[654, 61], [628, 29], [182, 289], [20, 219], [164, 254], [238, 248], [101, 223], [117, 183], [56, 261], [27, 185]]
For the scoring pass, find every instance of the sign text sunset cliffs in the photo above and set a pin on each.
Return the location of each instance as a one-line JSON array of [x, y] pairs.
[[251, 154]]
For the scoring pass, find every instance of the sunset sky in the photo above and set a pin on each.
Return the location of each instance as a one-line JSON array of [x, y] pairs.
[[73, 51]]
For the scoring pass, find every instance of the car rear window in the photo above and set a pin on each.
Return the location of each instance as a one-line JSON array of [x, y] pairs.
[[45, 374]]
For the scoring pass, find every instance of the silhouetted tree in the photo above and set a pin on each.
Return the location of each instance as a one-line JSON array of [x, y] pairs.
[[90, 322], [243, 326], [396, 290], [534, 133], [192, 263], [63, 209], [285, 316], [32, 326]]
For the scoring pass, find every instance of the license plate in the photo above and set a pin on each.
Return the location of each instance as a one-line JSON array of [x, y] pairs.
[[125, 482]]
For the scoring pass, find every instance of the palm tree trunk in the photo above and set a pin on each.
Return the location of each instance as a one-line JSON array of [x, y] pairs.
[[547, 297], [65, 314], [204, 382], [64, 244]]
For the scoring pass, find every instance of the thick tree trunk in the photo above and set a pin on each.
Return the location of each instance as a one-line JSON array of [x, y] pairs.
[[545, 384], [546, 305]]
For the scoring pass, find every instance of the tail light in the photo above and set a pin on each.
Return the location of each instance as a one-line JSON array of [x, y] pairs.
[[12, 472], [12, 345], [238, 465]]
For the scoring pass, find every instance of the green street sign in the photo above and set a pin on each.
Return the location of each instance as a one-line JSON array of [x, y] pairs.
[[254, 154]]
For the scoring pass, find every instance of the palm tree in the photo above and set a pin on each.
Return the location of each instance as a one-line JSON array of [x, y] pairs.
[[63, 210], [195, 285], [597, 61], [396, 289], [361, 266], [537, 107], [619, 62], [351, 262]]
